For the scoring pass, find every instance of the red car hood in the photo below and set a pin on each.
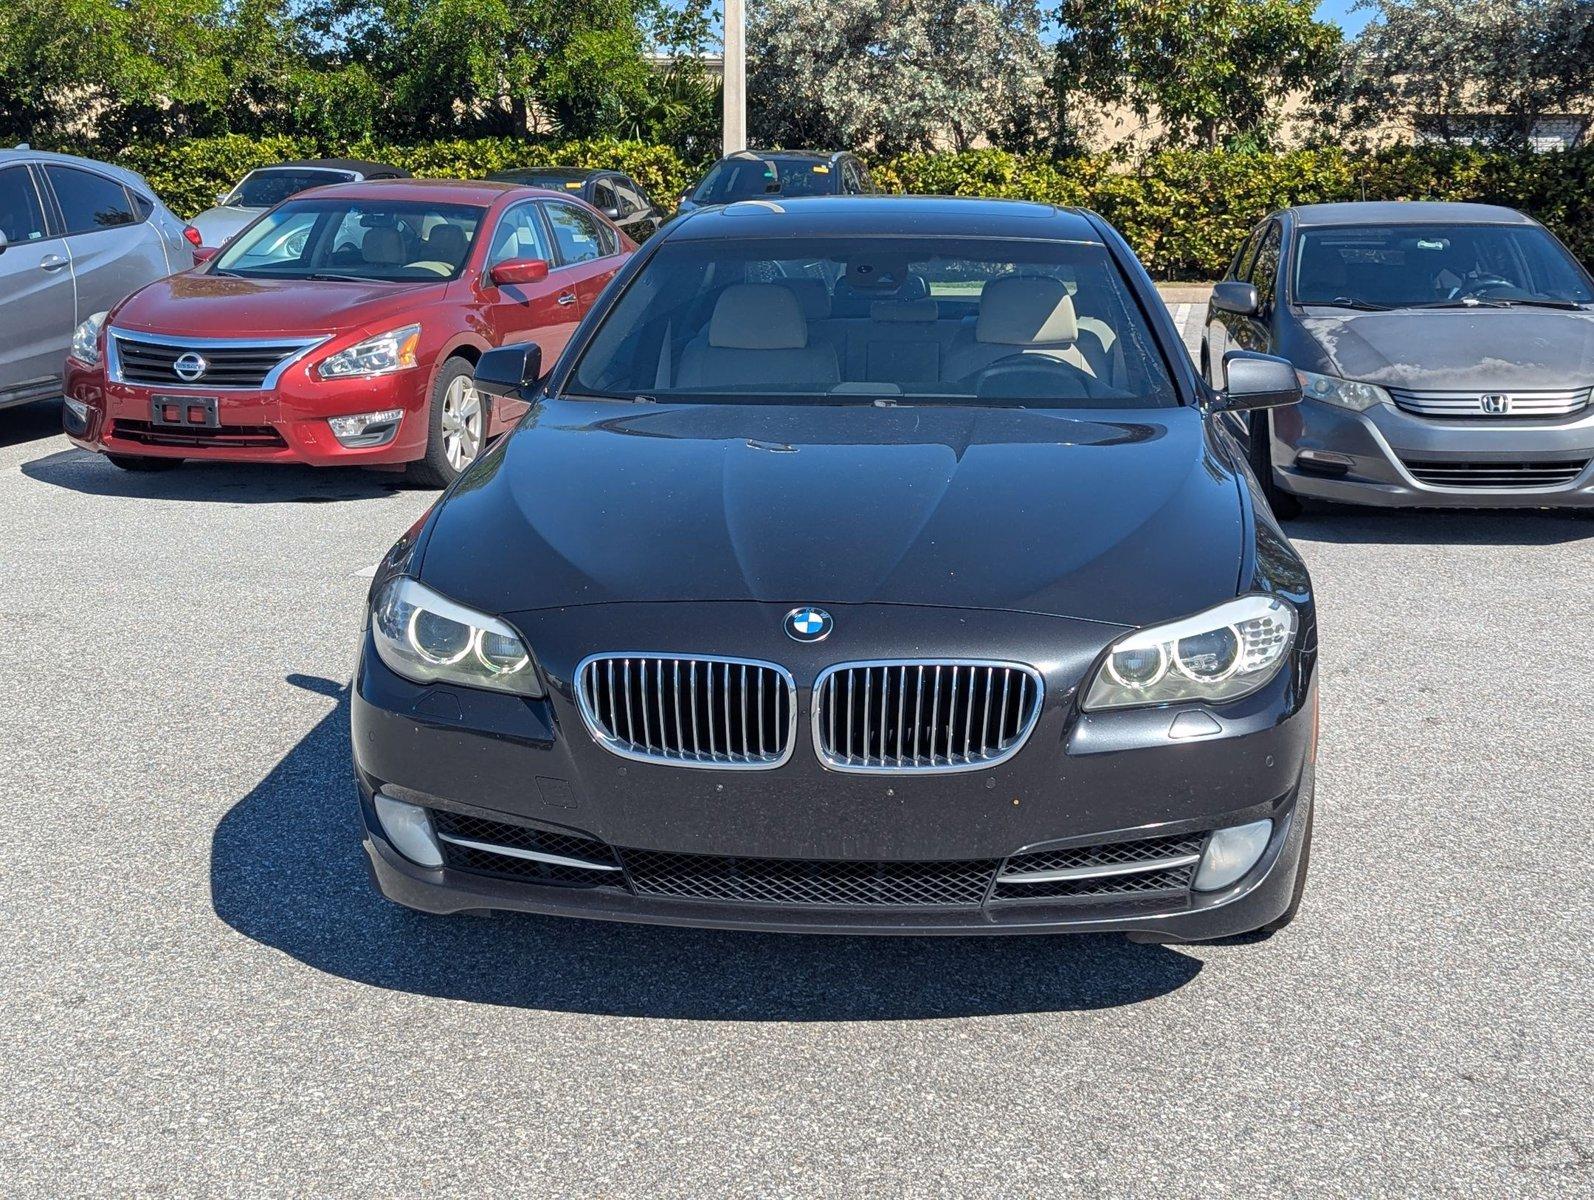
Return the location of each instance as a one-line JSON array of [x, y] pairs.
[[204, 305]]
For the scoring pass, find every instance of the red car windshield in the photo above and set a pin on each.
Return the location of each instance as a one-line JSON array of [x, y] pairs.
[[354, 238]]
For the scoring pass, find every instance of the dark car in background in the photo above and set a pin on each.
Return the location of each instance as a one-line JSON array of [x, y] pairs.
[[956, 614], [1446, 352], [779, 174], [613, 193], [75, 237], [266, 187]]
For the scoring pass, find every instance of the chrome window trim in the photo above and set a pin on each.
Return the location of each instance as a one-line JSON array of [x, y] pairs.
[[113, 359], [1019, 742], [615, 746]]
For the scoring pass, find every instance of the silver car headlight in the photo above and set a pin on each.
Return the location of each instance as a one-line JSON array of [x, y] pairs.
[[1221, 654], [383, 354], [1342, 393], [86, 340], [428, 638]]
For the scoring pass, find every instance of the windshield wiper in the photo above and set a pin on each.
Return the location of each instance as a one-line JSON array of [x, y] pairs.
[[332, 277], [1347, 302], [1568, 305]]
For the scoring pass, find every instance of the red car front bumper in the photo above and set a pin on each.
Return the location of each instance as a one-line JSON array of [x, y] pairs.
[[286, 423]]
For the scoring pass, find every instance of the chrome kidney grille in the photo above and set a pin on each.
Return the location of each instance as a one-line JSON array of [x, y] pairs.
[[699, 711], [925, 716]]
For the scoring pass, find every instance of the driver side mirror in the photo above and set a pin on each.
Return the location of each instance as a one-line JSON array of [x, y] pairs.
[[509, 370], [3, 242], [1254, 380], [519, 270], [1237, 297], [203, 254], [612, 212]]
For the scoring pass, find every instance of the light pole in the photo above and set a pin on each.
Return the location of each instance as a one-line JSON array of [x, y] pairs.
[[735, 136]]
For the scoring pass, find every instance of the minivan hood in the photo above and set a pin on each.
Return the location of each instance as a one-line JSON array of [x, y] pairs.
[[1120, 517], [204, 305], [1458, 349]]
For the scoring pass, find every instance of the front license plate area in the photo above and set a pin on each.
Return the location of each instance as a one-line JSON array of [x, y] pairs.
[[184, 412]]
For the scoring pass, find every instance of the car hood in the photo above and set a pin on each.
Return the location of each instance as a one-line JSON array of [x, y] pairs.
[[200, 304], [1458, 349], [217, 226], [1121, 517]]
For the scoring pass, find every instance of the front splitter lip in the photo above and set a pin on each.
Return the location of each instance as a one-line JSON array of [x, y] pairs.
[[1260, 897]]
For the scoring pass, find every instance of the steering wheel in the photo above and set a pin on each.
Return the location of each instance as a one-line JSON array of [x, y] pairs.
[[1480, 285], [1038, 368]]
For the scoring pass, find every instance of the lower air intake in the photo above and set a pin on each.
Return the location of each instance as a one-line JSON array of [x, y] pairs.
[[810, 881]]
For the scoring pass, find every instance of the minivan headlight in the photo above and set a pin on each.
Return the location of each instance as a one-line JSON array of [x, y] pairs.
[[428, 638], [86, 341], [1343, 393], [394, 350], [1221, 654]]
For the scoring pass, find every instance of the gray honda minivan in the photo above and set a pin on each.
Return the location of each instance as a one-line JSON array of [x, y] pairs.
[[75, 237], [1445, 352]]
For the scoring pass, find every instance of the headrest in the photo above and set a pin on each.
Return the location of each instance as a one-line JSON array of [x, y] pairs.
[[813, 297], [1026, 312], [383, 245], [446, 242], [757, 316], [904, 310]]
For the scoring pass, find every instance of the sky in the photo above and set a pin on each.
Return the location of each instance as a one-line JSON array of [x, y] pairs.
[[1339, 11]]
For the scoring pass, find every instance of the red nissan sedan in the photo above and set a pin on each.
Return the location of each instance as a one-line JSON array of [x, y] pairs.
[[342, 328]]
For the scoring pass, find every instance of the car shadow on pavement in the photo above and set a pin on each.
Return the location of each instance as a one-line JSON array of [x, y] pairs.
[[1346, 525], [288, 870], [226, 483], [29, 422]]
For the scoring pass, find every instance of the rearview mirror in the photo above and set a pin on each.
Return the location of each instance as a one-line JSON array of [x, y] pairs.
[[1254, 380], [509, 369], [519, 270], [1237, 297]]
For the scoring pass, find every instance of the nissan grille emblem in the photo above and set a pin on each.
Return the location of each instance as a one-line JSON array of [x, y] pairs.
[[808, 624], [1495, 402], [190, 367]]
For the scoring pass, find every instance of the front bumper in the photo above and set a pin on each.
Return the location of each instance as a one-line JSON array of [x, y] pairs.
[[1080, 780], [287, 423], [1371, 456]]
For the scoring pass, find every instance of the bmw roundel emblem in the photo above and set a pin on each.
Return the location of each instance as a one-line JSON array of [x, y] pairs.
[[808, 624]]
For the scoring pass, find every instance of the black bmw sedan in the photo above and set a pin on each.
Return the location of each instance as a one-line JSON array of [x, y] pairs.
[[862, 566]]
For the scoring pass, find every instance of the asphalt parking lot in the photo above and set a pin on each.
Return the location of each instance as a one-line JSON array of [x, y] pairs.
[[203, 996]]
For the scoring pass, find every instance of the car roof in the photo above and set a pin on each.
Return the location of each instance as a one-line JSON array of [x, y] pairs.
[[443, 191], [1407, 212], [360, 165], [8, 157], [800, 155], [927, 216], [511, 174]]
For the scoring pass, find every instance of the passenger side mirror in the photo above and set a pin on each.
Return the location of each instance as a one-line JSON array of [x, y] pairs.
[[1254, 380], [519, 270], [1237, 297], [203, 254], [509, 370]]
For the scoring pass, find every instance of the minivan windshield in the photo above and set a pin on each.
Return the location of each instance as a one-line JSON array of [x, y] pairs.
[[273, 185], [353, 238], [883, 320], [751, 178], [1406, 266]]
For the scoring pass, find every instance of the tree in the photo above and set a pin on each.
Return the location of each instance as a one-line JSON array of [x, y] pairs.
[[1213, 72], [894, 75], [1445, 62]]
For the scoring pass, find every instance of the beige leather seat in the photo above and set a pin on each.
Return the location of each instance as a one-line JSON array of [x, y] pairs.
[[1018, 316], [757, 338], [383, 246]]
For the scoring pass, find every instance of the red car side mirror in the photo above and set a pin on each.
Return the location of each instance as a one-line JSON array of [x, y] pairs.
[[519, 270], [203, 254]]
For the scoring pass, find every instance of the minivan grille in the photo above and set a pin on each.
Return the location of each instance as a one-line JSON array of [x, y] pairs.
[[1498, 404], [233, 366], [698, 712], [922, 715], [1497, 474]]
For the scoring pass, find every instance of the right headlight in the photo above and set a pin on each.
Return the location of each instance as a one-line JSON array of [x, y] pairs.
[[1221, 654], [1343, 393], [428, 638]]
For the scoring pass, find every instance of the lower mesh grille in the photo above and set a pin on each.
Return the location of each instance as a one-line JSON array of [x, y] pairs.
[[1497, 474], [453, 829], [809, 881], [197, 437], [1111, 869]]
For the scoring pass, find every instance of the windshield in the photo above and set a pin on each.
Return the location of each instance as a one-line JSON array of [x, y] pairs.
[[262, 189], [555, 181], [1402, 266], [878, 320], [352, 238], [750, 178]]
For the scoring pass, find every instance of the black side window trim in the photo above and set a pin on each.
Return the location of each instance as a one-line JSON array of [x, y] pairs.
[[44, 200], [1273, 234], [42, 179], [539, 218], [554, 238]]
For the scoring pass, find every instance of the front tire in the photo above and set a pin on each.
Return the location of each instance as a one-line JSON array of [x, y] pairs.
[[139, 462], [456, 427], [1284, 505]]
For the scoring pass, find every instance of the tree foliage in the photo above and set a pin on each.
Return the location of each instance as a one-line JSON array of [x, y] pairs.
[[894, 75], [1212, 72]]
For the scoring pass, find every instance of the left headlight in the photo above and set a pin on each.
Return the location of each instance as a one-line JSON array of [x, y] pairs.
[[1221, 654], [86, 340], [1343, 393], [429, 638], [394, 350]]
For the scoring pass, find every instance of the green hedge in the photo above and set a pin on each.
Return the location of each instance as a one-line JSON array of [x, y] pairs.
[[1183, 211]]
